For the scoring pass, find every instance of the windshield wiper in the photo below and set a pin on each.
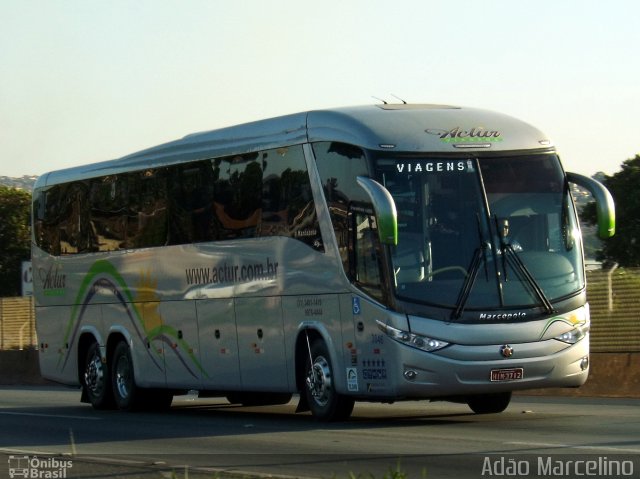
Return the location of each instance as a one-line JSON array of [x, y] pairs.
[[479, 256], [509, 255], [472, 274], [531, 281]]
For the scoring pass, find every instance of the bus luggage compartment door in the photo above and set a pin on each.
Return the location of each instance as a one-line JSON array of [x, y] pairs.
[[261, 344], [218, 344]]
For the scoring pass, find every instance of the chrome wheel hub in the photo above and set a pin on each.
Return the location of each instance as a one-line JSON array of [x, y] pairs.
[[94, 375], [123, 377], [319, 381]]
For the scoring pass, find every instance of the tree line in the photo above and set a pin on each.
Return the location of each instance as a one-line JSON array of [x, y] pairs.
[[624, 186], [623, 248], [15, 233]]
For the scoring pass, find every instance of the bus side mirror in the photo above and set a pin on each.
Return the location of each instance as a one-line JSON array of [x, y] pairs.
[[605, 207], [385, 209]]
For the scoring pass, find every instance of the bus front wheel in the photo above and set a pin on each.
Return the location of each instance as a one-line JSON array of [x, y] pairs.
[[95, 379], [325, 403], [489, 403]]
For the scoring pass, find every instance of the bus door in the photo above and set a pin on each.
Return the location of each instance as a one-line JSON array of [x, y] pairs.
[[367, 272], [370, 355]]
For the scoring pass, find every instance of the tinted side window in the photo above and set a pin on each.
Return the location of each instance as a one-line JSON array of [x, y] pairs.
[[147, 219], [108, 211], [367, 253], [264, 194], [243, 196], [69, 230], [45, 222], [288, 208], [128, 210], [190, 202], [237, 198]]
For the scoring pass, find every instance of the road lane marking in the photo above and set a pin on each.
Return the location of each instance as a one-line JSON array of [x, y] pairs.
[[31, 452], [574, 446], [58, 416]]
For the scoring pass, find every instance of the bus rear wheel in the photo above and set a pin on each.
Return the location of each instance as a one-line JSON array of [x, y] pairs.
[[325, 403], [127, 395], [489, 403], [125, 391], [95, 379]]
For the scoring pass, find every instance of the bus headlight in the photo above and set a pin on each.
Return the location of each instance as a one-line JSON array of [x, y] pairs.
[[574, 335], [414, 340]]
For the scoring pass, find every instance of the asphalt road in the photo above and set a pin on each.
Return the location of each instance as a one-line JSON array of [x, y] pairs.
[[48, 430]]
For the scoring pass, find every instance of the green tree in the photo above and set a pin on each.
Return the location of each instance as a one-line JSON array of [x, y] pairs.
[[14, 238], [624, 247]]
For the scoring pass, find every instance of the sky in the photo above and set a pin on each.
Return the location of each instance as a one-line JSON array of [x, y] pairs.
[[83, 81]]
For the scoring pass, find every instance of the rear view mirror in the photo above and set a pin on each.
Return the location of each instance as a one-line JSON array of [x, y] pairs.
[[605, 207], [385, 209]]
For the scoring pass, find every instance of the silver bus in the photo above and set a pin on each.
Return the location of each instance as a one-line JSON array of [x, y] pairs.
[[375, 253]]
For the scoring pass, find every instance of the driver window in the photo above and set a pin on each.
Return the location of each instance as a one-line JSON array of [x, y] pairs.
[[339, 165], [367, 254]]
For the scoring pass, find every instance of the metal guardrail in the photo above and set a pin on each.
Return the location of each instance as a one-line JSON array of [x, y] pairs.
[[614, 298]]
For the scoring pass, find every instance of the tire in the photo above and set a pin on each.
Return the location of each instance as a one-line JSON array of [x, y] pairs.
[[324, 402], [489, 403], [126, 394], [96, 381]]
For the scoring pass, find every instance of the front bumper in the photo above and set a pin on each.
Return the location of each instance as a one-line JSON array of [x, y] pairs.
[[429, 375]]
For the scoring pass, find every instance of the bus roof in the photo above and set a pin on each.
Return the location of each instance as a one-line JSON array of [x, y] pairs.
[[390, 127]]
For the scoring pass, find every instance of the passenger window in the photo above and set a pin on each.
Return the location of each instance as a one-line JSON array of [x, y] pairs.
[[108, 212], [237, 198], [265, 194], [73, 225], [242, 196], [147, 215], [190, 191], [288, 208]]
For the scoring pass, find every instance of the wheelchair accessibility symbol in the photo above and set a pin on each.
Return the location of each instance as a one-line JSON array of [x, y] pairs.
[[356, 305]]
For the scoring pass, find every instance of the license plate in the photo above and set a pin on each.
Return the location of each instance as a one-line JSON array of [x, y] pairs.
[[507, 374]]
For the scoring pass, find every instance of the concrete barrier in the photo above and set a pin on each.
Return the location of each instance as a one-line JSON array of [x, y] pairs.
[[614, 375], [20, 367], [611, 374]]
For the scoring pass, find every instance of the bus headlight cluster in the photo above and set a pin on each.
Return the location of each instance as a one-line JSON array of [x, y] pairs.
[[412, 339], [574, 335]]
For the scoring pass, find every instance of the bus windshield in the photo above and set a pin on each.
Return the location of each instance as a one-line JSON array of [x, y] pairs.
[[477, 234]]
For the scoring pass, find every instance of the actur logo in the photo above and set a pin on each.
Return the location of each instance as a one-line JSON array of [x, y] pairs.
[[458, 134]]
